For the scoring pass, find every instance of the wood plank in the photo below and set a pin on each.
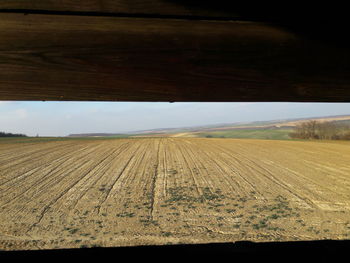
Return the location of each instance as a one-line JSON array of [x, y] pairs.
[[145, 7], [286, 12], [49, 57]]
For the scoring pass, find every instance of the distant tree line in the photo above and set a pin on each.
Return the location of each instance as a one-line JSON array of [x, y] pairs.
[[321, 130], [4, 134]]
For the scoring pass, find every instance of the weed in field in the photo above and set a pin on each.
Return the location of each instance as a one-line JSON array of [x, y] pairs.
[[314, 230], [261, 224], [126, 214], [252, 217], [275, 228], [103, 188], [190, 206], [208, 195], [126, 205], [71, 230], [273, 216], [148, 221], [172, 171], [166, 234], [137, 207], [215, 204], [242, 199]]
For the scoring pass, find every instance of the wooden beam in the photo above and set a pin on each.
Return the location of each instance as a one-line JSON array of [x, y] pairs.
[[290, 13], [53, 57], [129, 7]]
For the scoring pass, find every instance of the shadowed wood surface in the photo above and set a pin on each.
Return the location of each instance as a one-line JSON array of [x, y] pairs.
[[131, 7], [55, 57]]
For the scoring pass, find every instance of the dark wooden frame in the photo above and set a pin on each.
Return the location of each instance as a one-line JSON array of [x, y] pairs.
[[175, 50], [170, 50]]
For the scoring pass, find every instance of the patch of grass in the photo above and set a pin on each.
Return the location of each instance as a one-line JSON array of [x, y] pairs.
[[148, 221], [262, 224], [273, 216], [71, 230], [181, 194], [126, 214], [274, 228], [266, 134], [280, 208], [166, 234]]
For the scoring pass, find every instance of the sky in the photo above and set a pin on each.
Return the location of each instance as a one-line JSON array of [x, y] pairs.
[[64, 118]]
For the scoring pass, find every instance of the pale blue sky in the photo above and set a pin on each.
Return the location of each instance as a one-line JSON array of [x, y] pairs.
[[63, 118]]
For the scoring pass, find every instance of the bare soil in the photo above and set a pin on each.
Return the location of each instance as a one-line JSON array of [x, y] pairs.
[[128, 192]]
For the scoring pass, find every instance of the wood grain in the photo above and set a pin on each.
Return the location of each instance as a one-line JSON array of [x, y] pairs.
[[145, 7], [52, 57]]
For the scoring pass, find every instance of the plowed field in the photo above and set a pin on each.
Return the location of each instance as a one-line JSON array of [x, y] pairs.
[[84, 193]]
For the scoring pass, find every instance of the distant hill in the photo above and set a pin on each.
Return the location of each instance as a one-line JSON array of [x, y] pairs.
[[96, 135], [274, 129]]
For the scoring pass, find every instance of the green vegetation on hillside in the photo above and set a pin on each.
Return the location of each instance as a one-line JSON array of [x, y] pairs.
[[266, 134]]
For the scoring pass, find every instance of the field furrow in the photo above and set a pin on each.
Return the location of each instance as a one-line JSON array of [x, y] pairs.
[[121, 192]]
